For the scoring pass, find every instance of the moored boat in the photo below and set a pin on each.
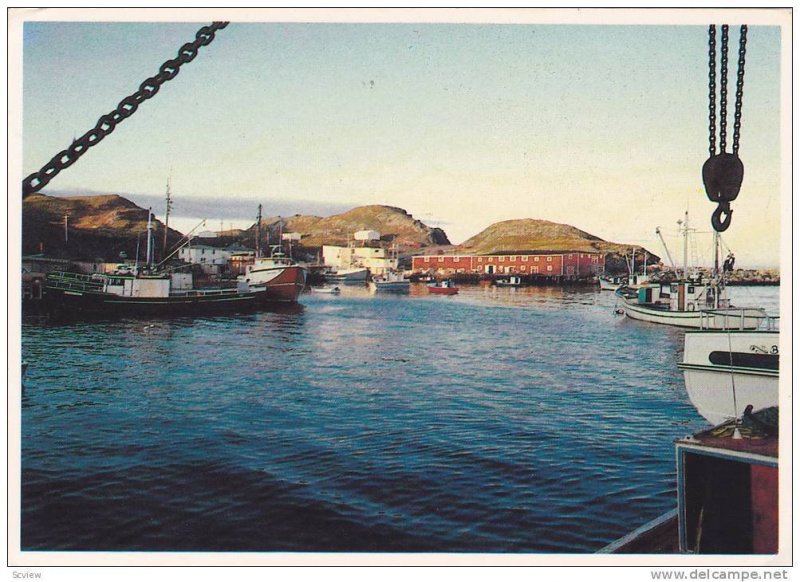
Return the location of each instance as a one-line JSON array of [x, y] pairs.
[[510, 282], [276, 278], [353, 275], [690, 304], [446, 287], [390, 281], [726, 371]]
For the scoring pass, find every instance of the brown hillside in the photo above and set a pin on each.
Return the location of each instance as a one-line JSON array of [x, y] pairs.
[[394, 224], [98, 227], [528, 235]]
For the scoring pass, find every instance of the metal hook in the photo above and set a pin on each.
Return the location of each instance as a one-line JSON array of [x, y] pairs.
[[720, 224]]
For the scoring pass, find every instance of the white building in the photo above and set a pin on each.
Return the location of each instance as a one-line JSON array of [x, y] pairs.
[[376, 259], [204, 255]]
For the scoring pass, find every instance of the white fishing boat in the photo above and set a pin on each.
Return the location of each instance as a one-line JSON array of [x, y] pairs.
[[689, 302], [510, 282], [390, 281], [727, 371], [352, 275], [328, 290]]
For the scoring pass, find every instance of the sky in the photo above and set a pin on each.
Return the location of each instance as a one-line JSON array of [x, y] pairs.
[[603, 126]]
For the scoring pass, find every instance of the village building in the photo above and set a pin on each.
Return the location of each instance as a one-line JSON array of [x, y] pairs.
[[544, 264]]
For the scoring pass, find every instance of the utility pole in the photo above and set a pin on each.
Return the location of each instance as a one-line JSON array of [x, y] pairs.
[[66, 225]]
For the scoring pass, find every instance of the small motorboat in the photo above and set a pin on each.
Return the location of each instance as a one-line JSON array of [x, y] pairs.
[[329, 290], [445, 287]]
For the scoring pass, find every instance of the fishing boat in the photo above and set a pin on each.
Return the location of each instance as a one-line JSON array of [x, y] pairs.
[[510, 282], [351, 275], [150, 290], [390, 281], [328, 290], [726, 371], [446, 287], [276, 278], [689, 302]]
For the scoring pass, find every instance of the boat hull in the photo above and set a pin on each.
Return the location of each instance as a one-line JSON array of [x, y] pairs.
[[87, 302], [744, 318], [284, 287], [725, 372], [354, 276], [443, 290]]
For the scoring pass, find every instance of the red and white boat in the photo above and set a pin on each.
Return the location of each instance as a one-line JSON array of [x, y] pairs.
[[274, 279], [446, 287]]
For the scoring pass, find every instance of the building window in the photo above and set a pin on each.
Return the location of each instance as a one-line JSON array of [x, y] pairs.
[[571, 256], [549, 267], [202, 251], [535, 259], [549, 260], [525, 259]]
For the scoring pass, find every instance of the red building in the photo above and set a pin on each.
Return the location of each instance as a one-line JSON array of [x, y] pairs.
[[548, 264]]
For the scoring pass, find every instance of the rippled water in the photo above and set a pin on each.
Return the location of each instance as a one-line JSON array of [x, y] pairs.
[[497, 420]]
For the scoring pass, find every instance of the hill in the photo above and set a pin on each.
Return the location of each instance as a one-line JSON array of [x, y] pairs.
[[528, 235], [394, 225], [97, 227]]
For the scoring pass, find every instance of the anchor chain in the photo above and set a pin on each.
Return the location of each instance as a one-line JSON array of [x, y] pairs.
[[127, 107], [723, 172]]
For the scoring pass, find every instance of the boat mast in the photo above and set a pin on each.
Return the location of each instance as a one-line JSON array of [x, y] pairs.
[[664, 244], [258, 233], [166, 217], [686, 245], [149, 238]]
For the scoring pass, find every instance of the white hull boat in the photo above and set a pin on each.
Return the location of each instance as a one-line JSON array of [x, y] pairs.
[[357, 275], [727, 371], [688, 304], [393, 282]]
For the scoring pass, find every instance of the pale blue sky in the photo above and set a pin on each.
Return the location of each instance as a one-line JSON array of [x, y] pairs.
[[602, 127]]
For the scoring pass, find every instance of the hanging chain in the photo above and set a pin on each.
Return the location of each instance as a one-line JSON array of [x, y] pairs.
[[712, 90], [723, 172], [723, 90], [107, 123], [737, 116]]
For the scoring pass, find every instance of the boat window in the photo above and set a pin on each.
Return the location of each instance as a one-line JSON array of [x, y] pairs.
[[535, 259], [525, 258], [549, 260], [502, 259], [456, 259], [690, 289], [549, 267]]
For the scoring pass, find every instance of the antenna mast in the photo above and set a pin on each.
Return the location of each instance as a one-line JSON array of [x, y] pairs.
[[258, 233]]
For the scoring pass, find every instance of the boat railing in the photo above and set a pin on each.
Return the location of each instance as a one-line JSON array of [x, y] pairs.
[[203, 292], [733, 318], [74, 281]]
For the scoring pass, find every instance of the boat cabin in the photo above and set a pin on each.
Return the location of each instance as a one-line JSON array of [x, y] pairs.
[[684, 295]]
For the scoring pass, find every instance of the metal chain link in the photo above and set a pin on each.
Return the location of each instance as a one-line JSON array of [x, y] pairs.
[[723, 90], [712, 89], [126, 108], [737, 115]]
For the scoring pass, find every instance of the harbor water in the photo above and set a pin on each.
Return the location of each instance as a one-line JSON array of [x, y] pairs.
[[498, 420]]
